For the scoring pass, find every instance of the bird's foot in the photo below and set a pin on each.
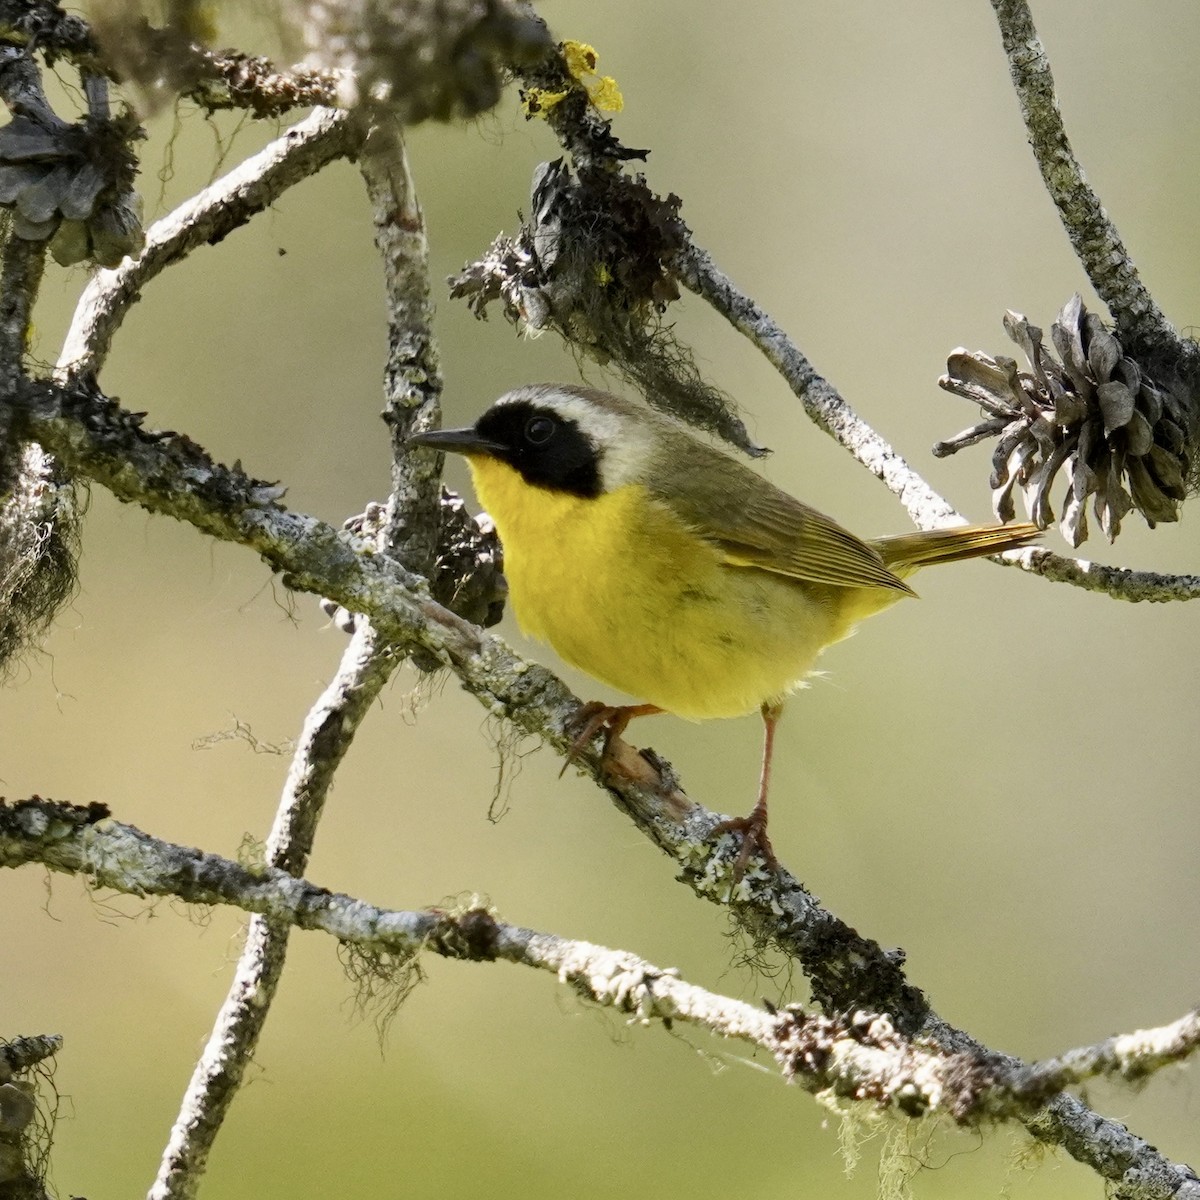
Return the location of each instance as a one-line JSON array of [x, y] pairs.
[[589, 719], [755, 843]]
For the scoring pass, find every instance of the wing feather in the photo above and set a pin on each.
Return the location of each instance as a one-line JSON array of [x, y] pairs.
[[756, 525]]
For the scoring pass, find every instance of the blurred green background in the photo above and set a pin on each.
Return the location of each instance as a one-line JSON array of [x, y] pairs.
[[998, 778]]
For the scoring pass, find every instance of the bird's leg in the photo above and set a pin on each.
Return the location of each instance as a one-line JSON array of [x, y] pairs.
[[590, 718], [753, 828]]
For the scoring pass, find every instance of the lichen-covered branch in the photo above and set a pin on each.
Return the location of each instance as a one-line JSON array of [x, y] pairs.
[[1093, 236], [23, 1152], [1118, 582], [231, 79], [205, 219], [39, 513], [1128, 1056], [860, 1057], [328, 731], [412, 383], [412, 390]]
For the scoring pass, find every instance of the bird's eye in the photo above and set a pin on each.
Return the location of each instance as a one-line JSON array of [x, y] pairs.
[[539, 430]]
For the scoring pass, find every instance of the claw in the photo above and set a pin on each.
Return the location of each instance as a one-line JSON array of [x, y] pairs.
[[589, 719], [753, 831]]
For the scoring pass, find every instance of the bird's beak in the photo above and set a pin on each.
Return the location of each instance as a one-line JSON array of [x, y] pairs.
[[459, 441]]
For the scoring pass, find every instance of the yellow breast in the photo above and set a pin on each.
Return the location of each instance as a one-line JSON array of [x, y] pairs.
[[624, 591]]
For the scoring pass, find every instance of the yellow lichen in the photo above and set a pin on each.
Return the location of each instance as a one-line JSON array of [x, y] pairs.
[[603, 275], [537, 102], [580, 58], [605, 94]]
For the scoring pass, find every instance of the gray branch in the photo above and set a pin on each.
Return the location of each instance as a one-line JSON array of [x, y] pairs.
[[860, 1057], [1093, 236], [328, 731], [412, 391], [826, 407], [412, 378], [205, 219], [1128, 1056]]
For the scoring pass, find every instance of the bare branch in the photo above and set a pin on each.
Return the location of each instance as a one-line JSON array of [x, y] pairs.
[[413, 386], [860, 1057], [1093, 236], [328, 731], [206, 218], [412, 381], [831, 413], [1130, 1056]]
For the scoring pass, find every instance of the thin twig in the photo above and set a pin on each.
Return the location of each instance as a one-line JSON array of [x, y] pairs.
[[1118, 582], [826, 407], [412, 389], [412, 378], [206, 218], [821, 400], [1095, 239], [328, 731], [1129, 1056]]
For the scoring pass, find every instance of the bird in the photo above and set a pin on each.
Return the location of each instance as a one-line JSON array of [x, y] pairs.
[[671, 571]]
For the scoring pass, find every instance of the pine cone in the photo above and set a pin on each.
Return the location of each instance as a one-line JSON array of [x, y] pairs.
[[72, 184], [1124, 438]]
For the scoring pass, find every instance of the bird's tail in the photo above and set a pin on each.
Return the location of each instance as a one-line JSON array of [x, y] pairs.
[[905, 552]]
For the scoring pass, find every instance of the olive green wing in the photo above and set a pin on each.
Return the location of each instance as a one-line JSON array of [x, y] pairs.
[[754, 524]]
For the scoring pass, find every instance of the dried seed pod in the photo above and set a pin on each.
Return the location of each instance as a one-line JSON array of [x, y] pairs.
[[468, 572], [73, 184], [1125, 439]]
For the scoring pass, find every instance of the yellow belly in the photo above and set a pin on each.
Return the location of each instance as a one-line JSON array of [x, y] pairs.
[[622, 590]]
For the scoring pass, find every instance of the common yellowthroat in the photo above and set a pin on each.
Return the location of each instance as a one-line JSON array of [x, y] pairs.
[[670, 571]]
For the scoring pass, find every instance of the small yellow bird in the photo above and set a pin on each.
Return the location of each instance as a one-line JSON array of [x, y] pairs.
[[669, 570]]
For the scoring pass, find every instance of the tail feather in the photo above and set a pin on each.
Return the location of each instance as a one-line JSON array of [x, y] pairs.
[[905, 552]]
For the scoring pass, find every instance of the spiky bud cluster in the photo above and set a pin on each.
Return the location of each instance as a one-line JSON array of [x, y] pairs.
[[424, 58], [1124, 439]]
